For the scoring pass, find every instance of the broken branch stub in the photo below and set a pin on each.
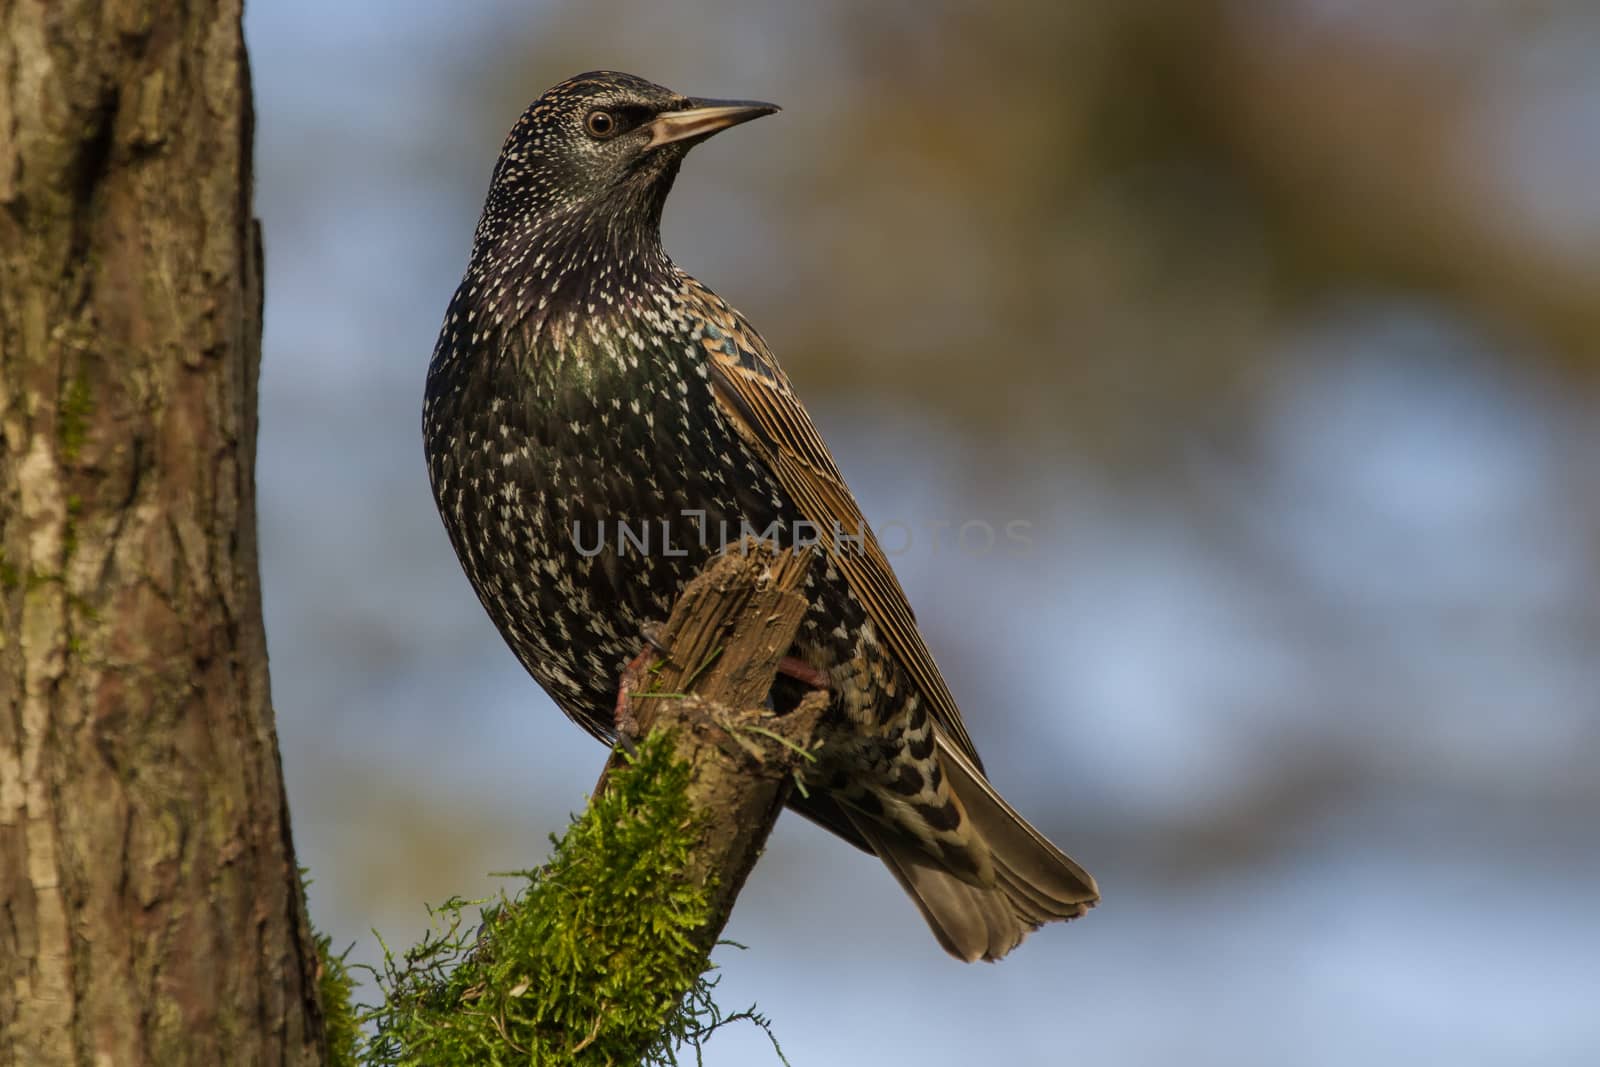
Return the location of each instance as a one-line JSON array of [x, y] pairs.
[[722, 646]]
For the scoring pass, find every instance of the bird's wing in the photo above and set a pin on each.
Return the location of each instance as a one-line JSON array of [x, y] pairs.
[[755, 396]]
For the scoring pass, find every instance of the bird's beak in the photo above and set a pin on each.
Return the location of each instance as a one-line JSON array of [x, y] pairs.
[[702, 118]]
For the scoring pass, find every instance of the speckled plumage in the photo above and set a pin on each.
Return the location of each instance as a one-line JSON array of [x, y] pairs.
[[581, 384]]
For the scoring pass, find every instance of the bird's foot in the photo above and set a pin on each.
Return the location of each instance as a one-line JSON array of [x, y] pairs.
[[651, 632], [803, 672], [633, 676]]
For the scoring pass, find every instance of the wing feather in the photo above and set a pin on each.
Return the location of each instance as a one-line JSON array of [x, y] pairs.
[[755, 395]]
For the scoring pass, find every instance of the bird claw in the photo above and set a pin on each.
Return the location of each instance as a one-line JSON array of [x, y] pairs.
[[804, 673], [651, 632], [626, 738], [633, 675]]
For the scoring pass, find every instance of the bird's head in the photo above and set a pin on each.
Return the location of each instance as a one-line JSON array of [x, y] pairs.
[[606, 140]]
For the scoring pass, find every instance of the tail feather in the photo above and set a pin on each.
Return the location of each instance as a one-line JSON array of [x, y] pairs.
[[1034, 882]]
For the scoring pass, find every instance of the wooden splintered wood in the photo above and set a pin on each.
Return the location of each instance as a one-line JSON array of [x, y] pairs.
[[722, 646]]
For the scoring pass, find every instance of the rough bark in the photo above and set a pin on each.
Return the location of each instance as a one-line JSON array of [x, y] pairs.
[[721, 649], [150, 910]]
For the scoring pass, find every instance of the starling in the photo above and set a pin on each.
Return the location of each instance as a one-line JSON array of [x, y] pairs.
[[597, 423]]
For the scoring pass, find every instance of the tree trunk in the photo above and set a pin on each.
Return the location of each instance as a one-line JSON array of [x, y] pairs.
[[150, 908]]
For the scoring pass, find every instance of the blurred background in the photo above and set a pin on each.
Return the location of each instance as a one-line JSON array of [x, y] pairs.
[[1277, 326]]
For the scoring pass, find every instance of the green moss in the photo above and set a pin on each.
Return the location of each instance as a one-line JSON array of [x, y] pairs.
[[9, 577], [594, 961], [83, 608], [80, 612], [336, 987], [69, 528], [73, 410]]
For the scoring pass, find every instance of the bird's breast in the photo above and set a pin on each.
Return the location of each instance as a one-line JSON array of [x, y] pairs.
[[583, 482]]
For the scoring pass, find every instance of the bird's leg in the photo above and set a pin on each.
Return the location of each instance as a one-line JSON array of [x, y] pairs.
[[803, 672], [633, 675]]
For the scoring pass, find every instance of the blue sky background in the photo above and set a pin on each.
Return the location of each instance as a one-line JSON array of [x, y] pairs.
[[1275, 324]]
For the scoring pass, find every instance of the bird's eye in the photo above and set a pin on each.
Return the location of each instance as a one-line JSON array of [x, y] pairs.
[[600, 124]]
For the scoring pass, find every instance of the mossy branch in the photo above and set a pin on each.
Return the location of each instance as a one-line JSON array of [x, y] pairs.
[[723, 642], [601, 958]]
